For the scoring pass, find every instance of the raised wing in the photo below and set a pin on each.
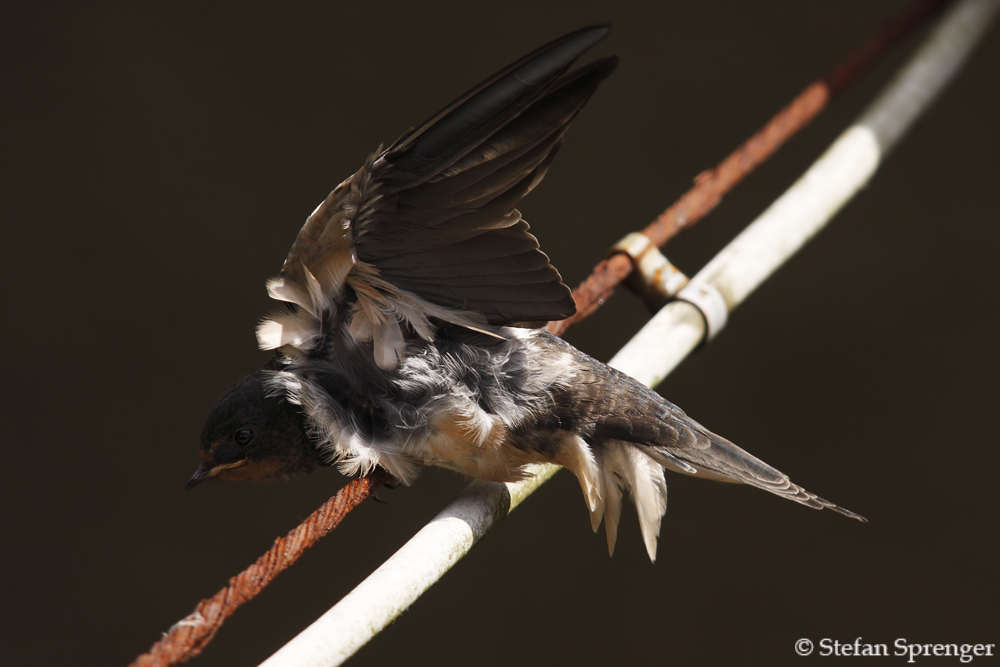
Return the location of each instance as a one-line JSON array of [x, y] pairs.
[[429, 229]]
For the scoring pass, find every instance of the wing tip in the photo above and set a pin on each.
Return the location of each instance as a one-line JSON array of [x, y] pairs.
[[573, 44], [590, 34]]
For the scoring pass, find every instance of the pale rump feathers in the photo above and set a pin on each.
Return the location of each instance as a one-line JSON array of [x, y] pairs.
[[608, 470]]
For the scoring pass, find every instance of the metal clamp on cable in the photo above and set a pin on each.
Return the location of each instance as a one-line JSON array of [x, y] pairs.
[[709, 303], [654, 279], [658, 282]]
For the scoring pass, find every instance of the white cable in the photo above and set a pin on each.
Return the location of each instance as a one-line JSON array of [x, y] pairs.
[[669, 337]]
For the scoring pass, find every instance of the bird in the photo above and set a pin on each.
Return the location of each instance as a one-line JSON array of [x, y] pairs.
[[410, 326]]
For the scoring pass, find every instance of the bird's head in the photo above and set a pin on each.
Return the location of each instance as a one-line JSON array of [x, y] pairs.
[[253, 434]]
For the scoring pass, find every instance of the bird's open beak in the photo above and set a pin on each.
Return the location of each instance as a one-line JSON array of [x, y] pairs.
[[206, 471]]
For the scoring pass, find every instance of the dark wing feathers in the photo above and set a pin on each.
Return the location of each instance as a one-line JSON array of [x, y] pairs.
[[444, 224], [484, 109], [428, 229], [486, 168]]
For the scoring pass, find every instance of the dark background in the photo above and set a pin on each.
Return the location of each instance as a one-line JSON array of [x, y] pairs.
[[159, 160]]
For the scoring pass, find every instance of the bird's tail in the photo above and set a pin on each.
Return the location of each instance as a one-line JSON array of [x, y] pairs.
[[723, 461], [645, 434], [635, 435]]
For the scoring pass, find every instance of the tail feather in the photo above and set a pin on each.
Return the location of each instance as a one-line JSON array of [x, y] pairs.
[[720, 456]]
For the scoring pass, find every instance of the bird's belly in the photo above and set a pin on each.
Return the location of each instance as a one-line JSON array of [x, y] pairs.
[[475, 443]]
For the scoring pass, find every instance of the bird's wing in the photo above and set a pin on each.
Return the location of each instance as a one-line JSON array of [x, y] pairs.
[[428, 228]]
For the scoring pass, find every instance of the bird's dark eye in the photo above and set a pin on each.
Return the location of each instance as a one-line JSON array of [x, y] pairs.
[[243, 437]]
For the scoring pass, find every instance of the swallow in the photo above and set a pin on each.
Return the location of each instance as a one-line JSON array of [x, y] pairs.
[[410, 327]]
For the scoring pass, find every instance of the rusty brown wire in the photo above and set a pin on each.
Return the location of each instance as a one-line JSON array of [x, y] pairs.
[[189, 636], [711, 185]]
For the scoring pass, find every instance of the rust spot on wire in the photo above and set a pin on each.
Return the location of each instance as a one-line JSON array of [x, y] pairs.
[[191, 634], [710, 186]]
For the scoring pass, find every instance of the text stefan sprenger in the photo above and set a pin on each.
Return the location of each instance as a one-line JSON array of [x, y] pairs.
[[901, 647]]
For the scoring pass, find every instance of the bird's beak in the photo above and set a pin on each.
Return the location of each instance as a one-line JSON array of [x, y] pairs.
[[203, 472], [206, 471]]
